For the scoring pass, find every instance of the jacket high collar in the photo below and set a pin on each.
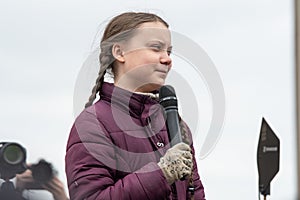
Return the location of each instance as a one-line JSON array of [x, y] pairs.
[[137, 105]]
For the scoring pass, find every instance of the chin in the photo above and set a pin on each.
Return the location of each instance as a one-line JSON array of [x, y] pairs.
[[157, 86], [150, 87]]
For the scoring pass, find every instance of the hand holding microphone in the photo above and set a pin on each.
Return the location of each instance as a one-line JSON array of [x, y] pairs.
[[177, 162]]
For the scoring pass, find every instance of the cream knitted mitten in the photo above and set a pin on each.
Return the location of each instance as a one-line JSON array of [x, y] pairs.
[[177, 163]]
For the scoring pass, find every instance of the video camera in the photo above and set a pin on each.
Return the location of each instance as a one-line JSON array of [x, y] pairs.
[[13, 162]]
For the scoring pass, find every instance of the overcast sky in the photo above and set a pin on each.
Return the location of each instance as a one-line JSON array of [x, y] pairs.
[[44, 44]]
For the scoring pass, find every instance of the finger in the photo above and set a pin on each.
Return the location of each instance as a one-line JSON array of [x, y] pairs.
[[186, 154], [53, 185], [182, 146], [28, 165], [188, 162], [185, 173], [25, 176], [50, 186]]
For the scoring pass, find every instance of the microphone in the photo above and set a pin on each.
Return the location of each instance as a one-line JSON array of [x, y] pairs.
[[267, 157], [168, 100]]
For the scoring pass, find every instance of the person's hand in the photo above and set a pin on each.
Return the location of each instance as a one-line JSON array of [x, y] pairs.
[[25, 181], [56, 187], [177, 163]]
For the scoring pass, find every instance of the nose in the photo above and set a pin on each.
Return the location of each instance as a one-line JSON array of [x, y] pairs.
[[165, 59]]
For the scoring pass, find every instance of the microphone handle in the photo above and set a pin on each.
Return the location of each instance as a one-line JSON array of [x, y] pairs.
[[173, 127]]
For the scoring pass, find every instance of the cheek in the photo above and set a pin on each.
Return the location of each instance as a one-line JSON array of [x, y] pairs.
[[142, 59], [144, 74], [147, 57], [138, 70], [144, 70]]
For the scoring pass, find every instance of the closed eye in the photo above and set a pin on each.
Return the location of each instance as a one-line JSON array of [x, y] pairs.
[[156, 47], [159, 47]]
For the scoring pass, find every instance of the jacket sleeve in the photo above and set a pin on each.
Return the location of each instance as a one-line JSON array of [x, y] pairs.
[[91, 167]]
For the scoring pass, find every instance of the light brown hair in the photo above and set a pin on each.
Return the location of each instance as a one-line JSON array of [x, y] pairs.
[[118, 29]]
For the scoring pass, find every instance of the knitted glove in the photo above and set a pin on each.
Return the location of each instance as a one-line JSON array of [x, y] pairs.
[[177, 162]]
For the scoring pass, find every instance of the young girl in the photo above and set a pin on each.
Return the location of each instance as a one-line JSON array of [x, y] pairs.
[[118, 147]]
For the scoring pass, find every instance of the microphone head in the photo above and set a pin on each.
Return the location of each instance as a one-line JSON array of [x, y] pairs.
[[167, 97], [267, 157]]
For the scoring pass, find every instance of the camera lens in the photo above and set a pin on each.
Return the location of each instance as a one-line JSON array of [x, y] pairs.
[[13, 154], [12, 159]]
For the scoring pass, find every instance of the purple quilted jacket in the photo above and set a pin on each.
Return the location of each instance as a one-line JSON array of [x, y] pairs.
[[114, 147]]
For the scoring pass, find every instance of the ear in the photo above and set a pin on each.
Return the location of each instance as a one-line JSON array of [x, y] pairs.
[[118, 53]]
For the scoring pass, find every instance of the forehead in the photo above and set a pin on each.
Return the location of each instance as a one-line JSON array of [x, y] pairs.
[[152, 31]]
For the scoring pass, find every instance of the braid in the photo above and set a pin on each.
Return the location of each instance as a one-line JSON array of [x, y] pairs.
[[184, 131], [186, 139], [96, 88], [106, 59]]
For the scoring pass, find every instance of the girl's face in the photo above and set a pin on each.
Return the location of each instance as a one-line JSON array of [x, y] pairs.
[[144, 61]]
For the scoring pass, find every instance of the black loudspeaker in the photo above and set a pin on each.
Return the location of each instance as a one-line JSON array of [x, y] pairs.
[[268, 153]]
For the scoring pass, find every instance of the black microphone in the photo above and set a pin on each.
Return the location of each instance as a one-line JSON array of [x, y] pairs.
[[168, 100], [268, 152]]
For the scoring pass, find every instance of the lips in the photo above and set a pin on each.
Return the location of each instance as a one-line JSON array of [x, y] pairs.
[[163, 69]]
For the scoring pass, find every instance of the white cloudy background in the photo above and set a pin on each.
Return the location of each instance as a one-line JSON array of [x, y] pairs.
[[43, 45]]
